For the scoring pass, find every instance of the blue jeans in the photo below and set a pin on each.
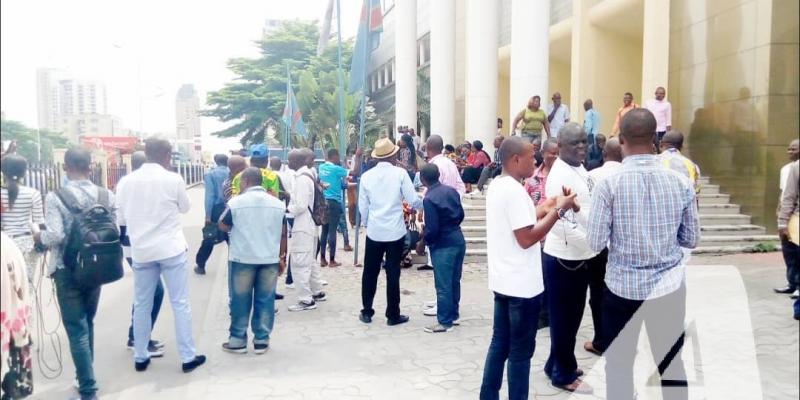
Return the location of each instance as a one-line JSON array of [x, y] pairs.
[[253, 288], [78, 307], [146, 277], [342, 228], [447, 264], [513, 340]]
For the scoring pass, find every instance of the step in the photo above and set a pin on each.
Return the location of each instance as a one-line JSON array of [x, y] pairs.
[[724, 219], [706, 209], [736, 240], [709, 189], [716, 198], [474, 211], [732, 230]]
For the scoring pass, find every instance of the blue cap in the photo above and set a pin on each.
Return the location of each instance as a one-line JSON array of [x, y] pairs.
[[259, 151]]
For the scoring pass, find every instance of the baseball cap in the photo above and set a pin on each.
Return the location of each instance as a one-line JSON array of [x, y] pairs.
[[259, 151]]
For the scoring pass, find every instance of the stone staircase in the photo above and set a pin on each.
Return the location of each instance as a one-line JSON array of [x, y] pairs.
[[724, 229]]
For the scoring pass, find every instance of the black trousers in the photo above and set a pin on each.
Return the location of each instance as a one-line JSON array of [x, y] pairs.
[[664, 318], [207, 246], [373, 256], [789, 251], [597, 288]]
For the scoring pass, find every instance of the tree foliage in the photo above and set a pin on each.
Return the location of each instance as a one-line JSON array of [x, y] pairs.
[[26, 139], [255, 99]]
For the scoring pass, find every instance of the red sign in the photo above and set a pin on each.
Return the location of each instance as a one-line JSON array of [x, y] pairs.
[[122, 144]]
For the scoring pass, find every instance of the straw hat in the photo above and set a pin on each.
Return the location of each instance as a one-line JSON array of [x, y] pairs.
[[384, 148]]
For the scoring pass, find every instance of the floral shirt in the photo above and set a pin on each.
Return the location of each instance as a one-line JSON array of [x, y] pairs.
[[404, 160], [535, 187]]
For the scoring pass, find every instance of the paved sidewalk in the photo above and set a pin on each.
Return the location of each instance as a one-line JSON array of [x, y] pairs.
[[328, 354]]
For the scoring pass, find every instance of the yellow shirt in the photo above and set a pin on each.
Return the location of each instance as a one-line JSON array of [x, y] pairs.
[[269, 180], [533, 121], [621, 113]]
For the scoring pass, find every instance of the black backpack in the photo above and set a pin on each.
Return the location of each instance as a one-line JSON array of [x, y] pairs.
[[319, 211], [92, 248]]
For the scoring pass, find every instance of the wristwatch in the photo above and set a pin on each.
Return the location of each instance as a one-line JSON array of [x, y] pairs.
[[561, 212]]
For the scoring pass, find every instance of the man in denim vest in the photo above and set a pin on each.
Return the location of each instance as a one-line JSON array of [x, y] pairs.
[[257, 256]]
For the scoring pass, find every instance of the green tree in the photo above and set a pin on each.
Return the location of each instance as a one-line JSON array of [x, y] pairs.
[[255, 99], [26, 139]]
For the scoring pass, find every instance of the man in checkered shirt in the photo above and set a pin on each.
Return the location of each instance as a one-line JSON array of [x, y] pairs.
[[645, 213]]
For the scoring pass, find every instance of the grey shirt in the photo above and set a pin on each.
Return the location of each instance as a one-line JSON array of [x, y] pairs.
[[789, 199]]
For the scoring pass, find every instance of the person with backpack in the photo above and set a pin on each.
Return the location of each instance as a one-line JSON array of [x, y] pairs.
[[77, 294], [150, 204], [307, 210]]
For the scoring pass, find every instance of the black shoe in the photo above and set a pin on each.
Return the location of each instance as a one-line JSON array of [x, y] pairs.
[[260, 348], [141, 366], [425, 267], [784, 290], [401, 319], [200, 270], [278, 296], [191, 365], [321, 296], [365, 318]]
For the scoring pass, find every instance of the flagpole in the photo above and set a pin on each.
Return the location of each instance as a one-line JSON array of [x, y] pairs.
[[342, 145], [367, 46], [287, 141]]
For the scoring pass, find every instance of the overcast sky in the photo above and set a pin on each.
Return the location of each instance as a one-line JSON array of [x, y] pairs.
[[173, 42]]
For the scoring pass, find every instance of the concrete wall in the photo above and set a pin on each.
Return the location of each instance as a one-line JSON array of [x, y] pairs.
[[733, 76]]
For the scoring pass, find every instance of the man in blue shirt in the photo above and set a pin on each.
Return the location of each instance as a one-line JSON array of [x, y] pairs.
[[443, 217], [332, 175], [591, 121], [215, 205]]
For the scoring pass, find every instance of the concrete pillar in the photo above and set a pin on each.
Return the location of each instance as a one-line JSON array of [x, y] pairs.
[[655, 47], [443, 80], [582, 71], [405, 55], [530, 54], [481, 91]]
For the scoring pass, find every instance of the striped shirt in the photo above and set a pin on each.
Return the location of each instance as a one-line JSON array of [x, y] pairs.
[[648, 213], [26, 211]]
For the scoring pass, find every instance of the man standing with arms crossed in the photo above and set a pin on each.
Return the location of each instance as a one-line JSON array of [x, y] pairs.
[[150, 204], [645, 214]]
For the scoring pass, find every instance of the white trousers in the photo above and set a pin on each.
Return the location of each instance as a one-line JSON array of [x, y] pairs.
[[306, 275]]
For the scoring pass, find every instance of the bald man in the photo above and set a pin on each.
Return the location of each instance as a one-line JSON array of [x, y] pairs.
[[671, 145], [557, 115], [236, 164], [788, 248], [662, 111]]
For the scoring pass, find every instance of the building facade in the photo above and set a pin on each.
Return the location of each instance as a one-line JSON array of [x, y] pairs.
[[730, 69], [187, 119]]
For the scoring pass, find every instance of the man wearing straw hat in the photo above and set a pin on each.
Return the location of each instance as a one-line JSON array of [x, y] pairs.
[[381, 194]]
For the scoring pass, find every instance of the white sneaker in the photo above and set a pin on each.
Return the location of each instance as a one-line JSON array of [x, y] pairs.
[[323, 282], [303, 306], [430, 312], [289, 285], [795, 294], [429, 304]]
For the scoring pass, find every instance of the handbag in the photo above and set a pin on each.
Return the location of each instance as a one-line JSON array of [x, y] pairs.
[[210, 231]]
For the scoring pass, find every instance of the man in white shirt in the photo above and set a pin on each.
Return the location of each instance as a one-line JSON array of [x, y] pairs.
[[303, 234], [150, 204], [514, 228], [612, 163], [662, 110], [568, 259], [557, 115], [382, 190], [788, 248]]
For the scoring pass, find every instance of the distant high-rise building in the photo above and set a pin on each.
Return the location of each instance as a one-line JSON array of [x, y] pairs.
[[62, 100], [187, 118]]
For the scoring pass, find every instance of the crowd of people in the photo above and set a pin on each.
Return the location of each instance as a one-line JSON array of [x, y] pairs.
[[568, 212]]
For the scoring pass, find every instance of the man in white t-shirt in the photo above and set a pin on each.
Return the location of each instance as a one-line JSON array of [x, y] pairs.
[[557, 115], [515, 274], [568, 259]]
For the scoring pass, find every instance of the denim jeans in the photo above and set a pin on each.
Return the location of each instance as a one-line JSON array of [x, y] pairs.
[[78, 307], [327, 237], [513, 340], [664, 319], [145, 279], [158, 298], [447, 265], [253, 290], [790, 252], [342, 228]]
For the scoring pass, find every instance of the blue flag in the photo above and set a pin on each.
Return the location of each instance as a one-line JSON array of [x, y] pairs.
[[371, 22], [292, 116]]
